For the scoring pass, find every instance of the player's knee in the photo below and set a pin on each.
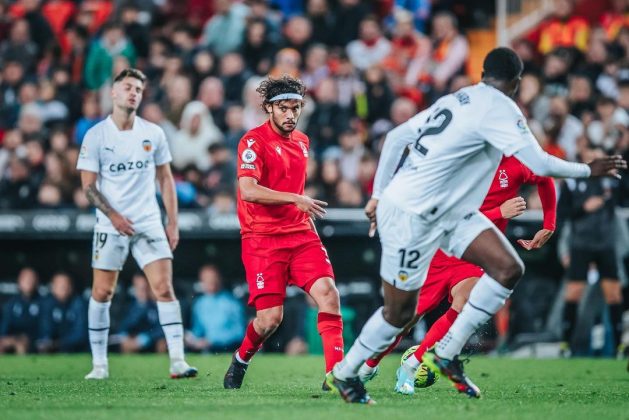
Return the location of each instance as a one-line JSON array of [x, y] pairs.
[[398, 315], [509, 273], [164, 292], [328, 299], [573, 291], [102, 293], [269, 322]]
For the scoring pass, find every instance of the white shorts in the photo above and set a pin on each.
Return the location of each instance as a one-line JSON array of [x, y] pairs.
[[409, 242], [110, 250]]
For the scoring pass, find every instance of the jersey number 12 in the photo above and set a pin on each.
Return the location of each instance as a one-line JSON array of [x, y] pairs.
[[436, 129]]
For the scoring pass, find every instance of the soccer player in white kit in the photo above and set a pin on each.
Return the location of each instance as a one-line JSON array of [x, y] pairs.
[[120, 159], [432, 202]]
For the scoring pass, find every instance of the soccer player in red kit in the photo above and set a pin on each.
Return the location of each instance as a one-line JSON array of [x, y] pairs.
[[454, 278], [280, 246]]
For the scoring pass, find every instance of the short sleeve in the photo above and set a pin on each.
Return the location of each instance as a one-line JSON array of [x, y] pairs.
[[504, 127], [250, 157], [89, 155], [162, 152]]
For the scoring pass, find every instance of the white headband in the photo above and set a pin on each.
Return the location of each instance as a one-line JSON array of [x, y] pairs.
[[285, 96]]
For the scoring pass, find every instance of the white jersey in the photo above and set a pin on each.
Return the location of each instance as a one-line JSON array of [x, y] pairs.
[[455, 148], [125, 162]]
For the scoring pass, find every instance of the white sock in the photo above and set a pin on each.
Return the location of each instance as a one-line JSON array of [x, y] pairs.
[[98, 326], [170, 318], [486, 298], [375, 337], [412, 362]]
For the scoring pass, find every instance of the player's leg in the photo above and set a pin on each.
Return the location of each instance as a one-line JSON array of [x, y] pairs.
[[159, 275], [477, 241], [329, 321], [311, 270], [269, 314], [460, 294], [408, 245], [109, 253], [612, 292], [575, 285]]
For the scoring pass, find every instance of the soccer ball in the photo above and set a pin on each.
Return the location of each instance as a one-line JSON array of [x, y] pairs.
[[424, 377]]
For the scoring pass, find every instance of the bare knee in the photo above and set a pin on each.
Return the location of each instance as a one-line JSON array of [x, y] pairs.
[[102, 293], [508, 273], [612, 291], [399, 315], [163, 290], [574, 291], [327, 297], [268, 321]]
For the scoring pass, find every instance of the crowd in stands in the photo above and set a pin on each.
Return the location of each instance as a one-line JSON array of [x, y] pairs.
[[368, 66]]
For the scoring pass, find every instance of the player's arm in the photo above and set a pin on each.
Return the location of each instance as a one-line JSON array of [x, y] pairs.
[[98, 200], [548, 197], [166, 183], [253, 192]]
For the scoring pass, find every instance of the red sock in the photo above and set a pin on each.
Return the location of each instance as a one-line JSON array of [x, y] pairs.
[[436, 332], [330, 327], [375, 361], [250, 344]]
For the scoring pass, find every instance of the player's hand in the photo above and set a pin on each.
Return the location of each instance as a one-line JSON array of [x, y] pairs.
[[370, 212], [538, 241], [172, 233], [607, 166], [512, 208], [593, 203], [121, 224], [315, 208]]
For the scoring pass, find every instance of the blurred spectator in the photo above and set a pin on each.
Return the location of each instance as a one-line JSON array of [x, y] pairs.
[[91, 115], [580, 95], [12, 78], [252, 114], [63, 321], [349, 83], [19, 46], [378, 94], [197, 133], [420, 10], [17, 191], [323, 21], [223, 203], [610, 126], [222, 172], [234, 117], [371, 48], [588, 204], [349, 14], [613, 20], [134, 29], [140, 329], [287, 61], [328, 119], [12, 146], [218, 320], [351, 152], [100, 60], [224, 32], [212, 94], [297, 34], [401, 110], [316, 67], [20, 315], [233, 75], [178, 95], [449, 53], [349, 194], [562, 129], [562, 29], [257, 49], [41, 32]]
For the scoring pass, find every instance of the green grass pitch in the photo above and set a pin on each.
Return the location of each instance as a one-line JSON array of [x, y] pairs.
[[282, 388]]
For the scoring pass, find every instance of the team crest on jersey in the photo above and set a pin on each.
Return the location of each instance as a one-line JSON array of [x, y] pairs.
[[402, 275], [522, 126], [503, 178], [147, 145], [83, 153], [259, 281], [304, 149], [248, 155]]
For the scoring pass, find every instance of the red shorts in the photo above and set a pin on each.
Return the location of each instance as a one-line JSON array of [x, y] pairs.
[[274, 262], [444, 273]]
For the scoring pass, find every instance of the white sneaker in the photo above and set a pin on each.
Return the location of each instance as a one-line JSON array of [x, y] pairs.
[[181, 369], [367, 373], [98, 372]]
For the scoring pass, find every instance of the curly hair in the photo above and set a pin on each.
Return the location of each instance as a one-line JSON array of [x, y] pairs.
[[270, 88]]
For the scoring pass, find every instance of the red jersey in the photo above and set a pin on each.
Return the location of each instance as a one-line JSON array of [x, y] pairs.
[[278, 163], [510, 176]]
